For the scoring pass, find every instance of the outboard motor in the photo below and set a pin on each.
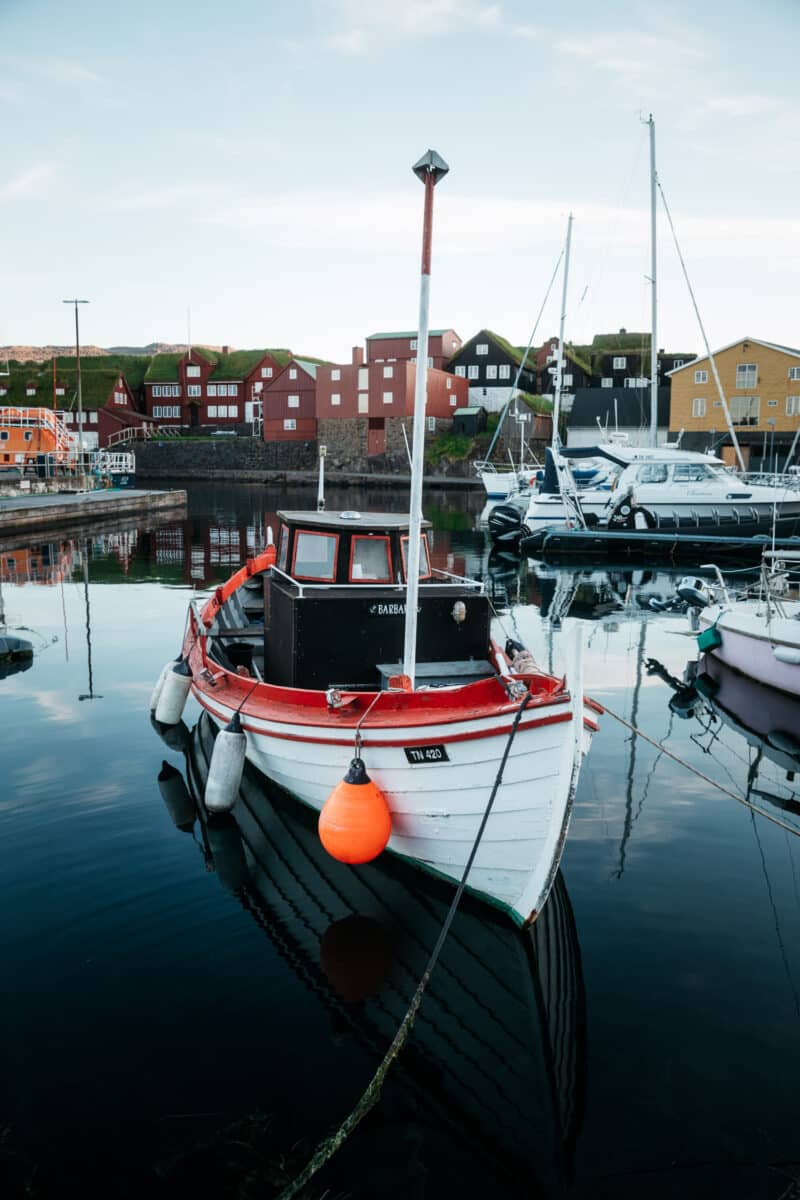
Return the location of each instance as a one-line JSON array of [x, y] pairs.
[[695, 592], [505, 524]]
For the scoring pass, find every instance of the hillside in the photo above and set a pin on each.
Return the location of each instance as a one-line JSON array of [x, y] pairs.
[[45, 353]]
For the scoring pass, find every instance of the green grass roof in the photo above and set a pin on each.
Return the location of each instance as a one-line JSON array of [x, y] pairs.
[[132, 366], [406, 333], [96, 385], [163, 368]]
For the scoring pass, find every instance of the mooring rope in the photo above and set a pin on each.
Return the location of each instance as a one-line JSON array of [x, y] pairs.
[[330, 1145], [706, 778]]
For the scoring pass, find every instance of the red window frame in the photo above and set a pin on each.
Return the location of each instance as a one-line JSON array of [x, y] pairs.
[[367, 537], [423, 542], [315, 533], [283, 547]]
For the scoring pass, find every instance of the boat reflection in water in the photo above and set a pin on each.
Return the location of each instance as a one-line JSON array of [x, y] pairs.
[[731, 709], [497, 1053]]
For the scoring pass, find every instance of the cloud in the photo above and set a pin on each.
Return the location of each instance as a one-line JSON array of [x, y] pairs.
[[27, 182], [743, 105], [364, 22], [630, 54]]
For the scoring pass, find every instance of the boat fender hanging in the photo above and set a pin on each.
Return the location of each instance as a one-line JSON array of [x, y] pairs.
[[709, 639], [355, 823], [175, 794], [787, 654], [174, 692], [160, 682], [227, 851], [226, 767]]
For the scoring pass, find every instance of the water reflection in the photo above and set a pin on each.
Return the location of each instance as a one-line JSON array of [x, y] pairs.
[[497, 1054]]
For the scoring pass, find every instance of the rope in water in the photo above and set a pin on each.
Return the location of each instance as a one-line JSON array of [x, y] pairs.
[[706, 778], [328, 1148]]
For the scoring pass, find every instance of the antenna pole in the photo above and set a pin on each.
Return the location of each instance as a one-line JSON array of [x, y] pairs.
[[654, 290]]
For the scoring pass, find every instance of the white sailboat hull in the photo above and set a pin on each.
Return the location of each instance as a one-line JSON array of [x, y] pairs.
[[767, 650]]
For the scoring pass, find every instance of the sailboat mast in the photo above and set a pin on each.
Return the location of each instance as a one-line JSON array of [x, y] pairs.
[[429, 170], [654, 290], [560, 363]]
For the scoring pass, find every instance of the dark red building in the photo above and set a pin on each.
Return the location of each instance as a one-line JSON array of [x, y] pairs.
[[402, 347], [289, 403]]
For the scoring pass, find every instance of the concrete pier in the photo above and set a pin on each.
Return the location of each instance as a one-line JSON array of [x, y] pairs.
[[53, 511]]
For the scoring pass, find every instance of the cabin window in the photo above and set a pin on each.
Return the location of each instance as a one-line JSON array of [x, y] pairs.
[[690, 473], [424, 556], [652, 473], [701, 376], [505, 371], [315, 555], [3, 435], [370, 560], [27, 435], [283, 552], [699, 406]]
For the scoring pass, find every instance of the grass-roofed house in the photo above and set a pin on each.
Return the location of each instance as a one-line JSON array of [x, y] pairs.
[[490, 364], [202, 389], [109, 385]]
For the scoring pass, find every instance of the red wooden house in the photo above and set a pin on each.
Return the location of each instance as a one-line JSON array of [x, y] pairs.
[[402, 347], [289, 403], [204, 389]]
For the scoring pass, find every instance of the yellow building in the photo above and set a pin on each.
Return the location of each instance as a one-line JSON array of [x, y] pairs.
[[761, 384]]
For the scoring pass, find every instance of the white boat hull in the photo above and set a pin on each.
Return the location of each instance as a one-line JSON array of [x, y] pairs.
[[765, 650], [436, 808]]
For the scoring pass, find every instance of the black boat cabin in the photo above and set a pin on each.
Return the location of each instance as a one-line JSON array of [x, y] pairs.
[[335, 605]]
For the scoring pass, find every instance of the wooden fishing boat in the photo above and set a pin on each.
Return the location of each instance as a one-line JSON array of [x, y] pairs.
[[344, 646]]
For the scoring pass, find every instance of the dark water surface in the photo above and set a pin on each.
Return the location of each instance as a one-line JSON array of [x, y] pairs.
[[189, 1012]]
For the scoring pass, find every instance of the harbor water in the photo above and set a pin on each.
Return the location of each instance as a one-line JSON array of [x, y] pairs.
[[190, 1009]]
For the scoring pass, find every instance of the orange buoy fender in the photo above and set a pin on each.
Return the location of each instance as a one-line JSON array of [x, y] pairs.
[[355, 823]]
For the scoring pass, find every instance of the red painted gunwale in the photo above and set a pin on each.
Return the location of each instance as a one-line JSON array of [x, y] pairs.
[[485, 698]]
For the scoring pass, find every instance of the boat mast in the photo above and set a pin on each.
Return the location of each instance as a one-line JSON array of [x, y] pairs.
[[560, 363], [654, 290], [429, 170]]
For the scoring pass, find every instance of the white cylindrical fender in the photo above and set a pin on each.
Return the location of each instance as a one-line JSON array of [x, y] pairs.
[[174, 691], [160, 682], [226, 767], [227, 851], [175, 795]]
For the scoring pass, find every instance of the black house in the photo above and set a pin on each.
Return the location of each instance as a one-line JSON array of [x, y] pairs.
[[490, 364]]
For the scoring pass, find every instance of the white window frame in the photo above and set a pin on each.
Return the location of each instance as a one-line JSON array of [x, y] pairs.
[[192, 371], [193, 390], [699, 406], [336, 399], [412, 345], [746, 375], [336, 373], [505, 370], [363, 403], [211, 390], [491, 370], [736, 405], [388, 397], [482, 348], [794, 374], [461, 372], [453, 401], [293, 372], [388, 372], [793, 406], [213, 412], [30, 391], [92, 417], [472, 371], [266, 372], [289, 423], [292, 401], [619, 363], [431, 424], [566, 380], [606, 382], [679, 363], [701, 376]]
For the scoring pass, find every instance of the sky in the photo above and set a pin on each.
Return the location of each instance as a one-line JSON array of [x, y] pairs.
[[243, 171]]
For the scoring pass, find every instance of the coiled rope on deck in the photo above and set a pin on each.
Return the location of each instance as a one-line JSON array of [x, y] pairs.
[[330, 1145]]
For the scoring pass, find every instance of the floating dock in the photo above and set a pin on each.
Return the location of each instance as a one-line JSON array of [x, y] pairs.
[[23, 513], [647, 547]]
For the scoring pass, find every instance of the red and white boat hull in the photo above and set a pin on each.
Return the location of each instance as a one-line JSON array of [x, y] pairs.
[[437, 807]]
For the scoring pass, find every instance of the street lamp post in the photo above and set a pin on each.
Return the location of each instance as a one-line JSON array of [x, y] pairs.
[[80, 396]]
